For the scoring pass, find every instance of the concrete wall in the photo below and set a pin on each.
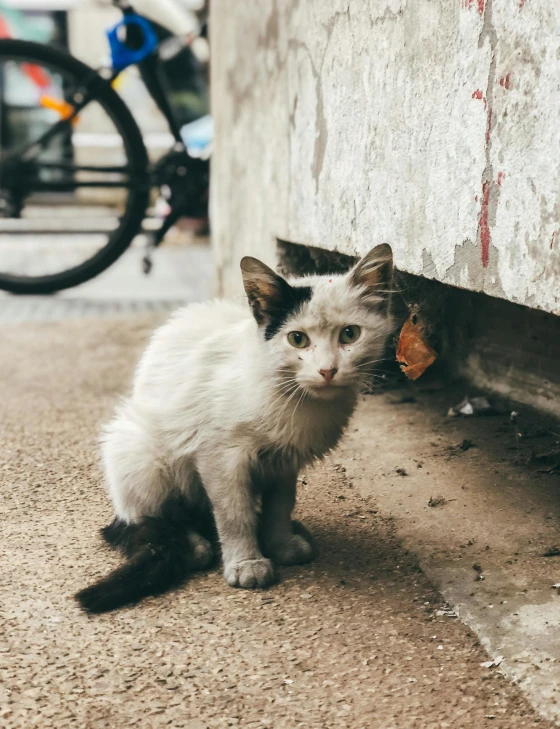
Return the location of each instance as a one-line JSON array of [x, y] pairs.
[[429, 124]]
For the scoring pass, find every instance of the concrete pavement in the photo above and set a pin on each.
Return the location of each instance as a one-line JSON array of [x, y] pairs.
[[181, 273], [361, 638]]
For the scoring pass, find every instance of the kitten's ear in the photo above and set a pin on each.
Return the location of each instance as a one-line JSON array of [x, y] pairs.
[[374, 274], [265, 289]]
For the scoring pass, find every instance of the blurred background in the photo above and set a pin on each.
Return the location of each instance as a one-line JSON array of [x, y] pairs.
[[182, 266]]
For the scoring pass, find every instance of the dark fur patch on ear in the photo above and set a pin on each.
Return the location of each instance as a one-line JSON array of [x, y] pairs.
[[294, 298], [271, 298], [256, 302], [374, 274]]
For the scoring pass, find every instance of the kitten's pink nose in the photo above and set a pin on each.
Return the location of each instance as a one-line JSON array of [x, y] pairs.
[[328, 374]]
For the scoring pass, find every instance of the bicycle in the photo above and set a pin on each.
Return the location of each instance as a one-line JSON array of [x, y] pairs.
[[54, 166]]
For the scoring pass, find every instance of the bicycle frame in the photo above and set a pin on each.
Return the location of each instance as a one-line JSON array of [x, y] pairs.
[[150, 72]]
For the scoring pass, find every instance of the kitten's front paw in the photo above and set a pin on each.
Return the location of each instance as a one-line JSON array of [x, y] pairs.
[[296, 549], [249, 573]]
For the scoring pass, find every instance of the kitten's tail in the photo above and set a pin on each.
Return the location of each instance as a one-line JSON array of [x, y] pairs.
[[161, 556]]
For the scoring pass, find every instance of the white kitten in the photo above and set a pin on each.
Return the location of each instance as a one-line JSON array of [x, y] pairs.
[[228, 405]]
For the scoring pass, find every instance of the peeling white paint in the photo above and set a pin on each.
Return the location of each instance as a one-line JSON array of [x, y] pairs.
[[431, 125]]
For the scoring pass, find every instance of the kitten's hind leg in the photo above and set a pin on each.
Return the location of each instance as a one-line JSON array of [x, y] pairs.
[[136, 475], [117, 533], [201, 551], [284, 541]]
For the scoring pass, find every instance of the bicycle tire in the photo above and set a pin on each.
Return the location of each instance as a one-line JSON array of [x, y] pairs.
[[137, 156]]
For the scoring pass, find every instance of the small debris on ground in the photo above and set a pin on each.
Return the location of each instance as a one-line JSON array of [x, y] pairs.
[[478, 569], [464, 445], [438, 501], [556, 587], [552, 552], [446, 611], [544, 463], [401, 471], [494, 663], [472, 406]]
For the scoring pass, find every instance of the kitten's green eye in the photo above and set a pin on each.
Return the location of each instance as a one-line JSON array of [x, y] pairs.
[[299, 340], [349, 334]]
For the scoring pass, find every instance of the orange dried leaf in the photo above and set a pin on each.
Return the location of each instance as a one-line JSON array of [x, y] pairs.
[[414, 354]]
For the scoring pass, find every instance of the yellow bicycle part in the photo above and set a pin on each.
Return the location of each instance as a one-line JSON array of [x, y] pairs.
[[59, 105]]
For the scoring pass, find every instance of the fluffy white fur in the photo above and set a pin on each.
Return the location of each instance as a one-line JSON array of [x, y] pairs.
[[228, 418]]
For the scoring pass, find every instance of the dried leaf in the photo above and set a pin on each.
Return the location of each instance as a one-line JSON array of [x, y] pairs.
[[414, 354]]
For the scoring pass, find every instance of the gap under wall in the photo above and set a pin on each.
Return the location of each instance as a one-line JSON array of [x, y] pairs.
[[498, 346]]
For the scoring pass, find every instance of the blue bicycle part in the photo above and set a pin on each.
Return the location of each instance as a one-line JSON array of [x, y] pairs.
[[121, 55]]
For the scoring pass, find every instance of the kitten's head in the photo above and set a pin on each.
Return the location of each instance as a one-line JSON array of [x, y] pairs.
[[326, 332]]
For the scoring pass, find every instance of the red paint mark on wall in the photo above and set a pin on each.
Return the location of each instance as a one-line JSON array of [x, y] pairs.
[[476, 198], [501, 177], [484, 226], [468, 5], [479, 95], [521, 4], [505, 81]]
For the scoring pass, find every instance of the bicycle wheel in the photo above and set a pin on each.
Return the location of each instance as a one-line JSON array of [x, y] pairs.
[[73, 191]]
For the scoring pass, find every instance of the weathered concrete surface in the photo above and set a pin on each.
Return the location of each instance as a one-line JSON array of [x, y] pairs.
[[431, 125], [495, 514], [354, 640]]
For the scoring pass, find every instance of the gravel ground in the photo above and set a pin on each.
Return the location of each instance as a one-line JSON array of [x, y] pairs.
[[353, 640]]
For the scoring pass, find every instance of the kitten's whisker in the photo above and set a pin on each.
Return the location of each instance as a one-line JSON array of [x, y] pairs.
[[286, 387], [286, 392], [283, 395], [375, 369], [303, 393], [371, 362], [282, 380], [282, 383], [281, 413]]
